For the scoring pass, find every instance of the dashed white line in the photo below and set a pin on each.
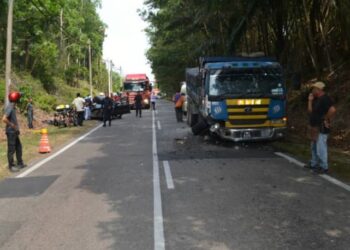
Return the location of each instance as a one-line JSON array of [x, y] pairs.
[[326, 177], [39, 164], [168, 177], [159, 126], [159, 243]]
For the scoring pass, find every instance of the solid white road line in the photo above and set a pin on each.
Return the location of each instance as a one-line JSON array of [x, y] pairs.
[[39, 164], [290, 159], [168, 177], [336, 182], [159, 127], [324, 176], [159, 243]]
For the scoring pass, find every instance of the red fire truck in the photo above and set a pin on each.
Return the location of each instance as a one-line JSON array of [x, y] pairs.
[[134, 83]]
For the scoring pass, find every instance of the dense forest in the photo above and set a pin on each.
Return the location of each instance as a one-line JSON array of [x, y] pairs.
[[51, 40], [311, 38]]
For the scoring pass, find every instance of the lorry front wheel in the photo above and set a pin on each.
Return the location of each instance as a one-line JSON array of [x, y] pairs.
[[200, 127], [192, 119]]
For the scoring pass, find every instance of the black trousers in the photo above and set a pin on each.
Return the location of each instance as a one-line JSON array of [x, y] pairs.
[[14, 146], [138, 110], [107, 116], [178, 112], [154, 105], [80, 117], [30, 120]]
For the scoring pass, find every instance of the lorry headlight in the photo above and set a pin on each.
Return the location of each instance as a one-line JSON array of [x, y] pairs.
[[215, 127], [145, 101]]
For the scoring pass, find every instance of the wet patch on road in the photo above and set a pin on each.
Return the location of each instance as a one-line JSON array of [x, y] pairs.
[[25, 187]]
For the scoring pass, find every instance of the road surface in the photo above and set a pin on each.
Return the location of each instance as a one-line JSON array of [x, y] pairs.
[[147, 183]]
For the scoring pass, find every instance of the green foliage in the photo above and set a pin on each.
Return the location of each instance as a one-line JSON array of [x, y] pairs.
[[46, 102], [72, 75], [306, 36], [40, 48], [2, 90]]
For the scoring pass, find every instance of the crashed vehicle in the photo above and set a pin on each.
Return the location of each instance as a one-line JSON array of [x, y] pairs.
[[120, 107]]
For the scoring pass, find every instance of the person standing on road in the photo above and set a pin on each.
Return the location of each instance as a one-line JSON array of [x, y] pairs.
[[87, 108], [78, 103], [30, 113], [322, 112], [179, 100], [14, 144], [107, 110], [154, 98], [138, 104]]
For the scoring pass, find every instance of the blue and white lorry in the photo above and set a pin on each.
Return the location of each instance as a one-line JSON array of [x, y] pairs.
[[237, 98]]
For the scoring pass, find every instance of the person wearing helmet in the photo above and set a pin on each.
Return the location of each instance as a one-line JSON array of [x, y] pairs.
[[12, 132]]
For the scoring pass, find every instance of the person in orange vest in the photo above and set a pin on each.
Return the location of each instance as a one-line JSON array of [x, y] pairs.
[[179, 100], [12, 132]]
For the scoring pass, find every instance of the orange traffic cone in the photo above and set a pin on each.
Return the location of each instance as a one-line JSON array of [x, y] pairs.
[[44, 146]]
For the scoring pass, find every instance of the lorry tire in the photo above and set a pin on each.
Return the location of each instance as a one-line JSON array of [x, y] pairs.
[[192, 119], [200, 127]]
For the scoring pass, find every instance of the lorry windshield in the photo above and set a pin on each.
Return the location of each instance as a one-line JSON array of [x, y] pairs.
[[129, 86], [235, 83]]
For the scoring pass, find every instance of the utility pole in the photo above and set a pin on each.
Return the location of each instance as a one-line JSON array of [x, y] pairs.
[[109, 76], [90, 68], [61, 31], [8, 51]]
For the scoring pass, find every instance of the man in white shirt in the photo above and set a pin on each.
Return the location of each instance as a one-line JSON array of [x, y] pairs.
[[78, 103]]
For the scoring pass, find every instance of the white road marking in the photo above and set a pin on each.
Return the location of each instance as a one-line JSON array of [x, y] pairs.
[[168, 177], [159, 243], [290, 159], [324, 176], [336, 182], [39, 164], [159, 127]]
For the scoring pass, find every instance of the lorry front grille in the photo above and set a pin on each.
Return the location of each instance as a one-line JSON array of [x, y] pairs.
[[245, 112]]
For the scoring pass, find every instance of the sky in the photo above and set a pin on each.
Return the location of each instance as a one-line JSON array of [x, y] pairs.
[[126, 42]]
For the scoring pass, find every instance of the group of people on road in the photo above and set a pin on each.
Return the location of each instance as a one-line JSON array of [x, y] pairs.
[[320, 108]]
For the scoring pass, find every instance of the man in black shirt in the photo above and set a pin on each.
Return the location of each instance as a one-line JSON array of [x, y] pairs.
[[107, 110], [322, 111], [138, 104]]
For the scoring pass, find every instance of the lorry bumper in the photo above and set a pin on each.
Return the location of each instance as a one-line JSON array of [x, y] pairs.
[[251, 134]]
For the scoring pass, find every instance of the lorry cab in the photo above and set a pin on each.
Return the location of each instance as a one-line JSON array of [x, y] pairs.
[[238, 98], [135, 83]]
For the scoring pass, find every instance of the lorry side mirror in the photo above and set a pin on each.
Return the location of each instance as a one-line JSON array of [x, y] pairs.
[[296, 81]]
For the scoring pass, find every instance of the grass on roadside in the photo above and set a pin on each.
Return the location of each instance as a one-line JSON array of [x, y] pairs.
[[339, 161], [30, 143]]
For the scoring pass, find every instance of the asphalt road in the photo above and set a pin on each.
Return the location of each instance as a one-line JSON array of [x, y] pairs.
[[147, 183]]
